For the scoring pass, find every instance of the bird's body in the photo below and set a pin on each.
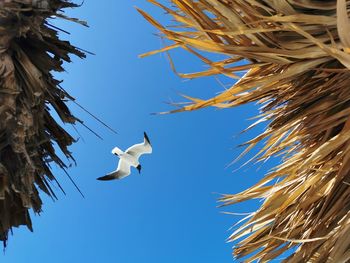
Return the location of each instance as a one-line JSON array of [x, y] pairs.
[[128, 158]]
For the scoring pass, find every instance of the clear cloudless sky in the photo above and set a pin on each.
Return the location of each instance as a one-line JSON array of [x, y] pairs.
[[169, 213]]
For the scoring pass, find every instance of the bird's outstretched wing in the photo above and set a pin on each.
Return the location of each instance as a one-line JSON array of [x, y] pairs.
[[122, 171], [140, 148]]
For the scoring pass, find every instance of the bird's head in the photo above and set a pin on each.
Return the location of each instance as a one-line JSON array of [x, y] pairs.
[[139, 168]]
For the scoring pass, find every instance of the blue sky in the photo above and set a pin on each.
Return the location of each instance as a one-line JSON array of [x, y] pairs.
[[168, 213]]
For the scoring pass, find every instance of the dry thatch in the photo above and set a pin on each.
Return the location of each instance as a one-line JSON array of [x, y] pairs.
[[297, 57], [29, 50]]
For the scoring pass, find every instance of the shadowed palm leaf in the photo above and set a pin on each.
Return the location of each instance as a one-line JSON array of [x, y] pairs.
[[29, 50]]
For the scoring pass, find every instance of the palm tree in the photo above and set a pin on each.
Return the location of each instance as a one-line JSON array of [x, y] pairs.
[[29, 50], [296, 55]]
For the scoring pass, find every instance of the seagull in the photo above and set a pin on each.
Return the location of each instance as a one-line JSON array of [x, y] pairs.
[[128, 158]]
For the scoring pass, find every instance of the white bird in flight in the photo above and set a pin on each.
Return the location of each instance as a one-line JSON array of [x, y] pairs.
[[128, 158]]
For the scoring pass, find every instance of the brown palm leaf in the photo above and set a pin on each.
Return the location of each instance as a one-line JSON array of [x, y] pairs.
[[29, 50], [296, 55]]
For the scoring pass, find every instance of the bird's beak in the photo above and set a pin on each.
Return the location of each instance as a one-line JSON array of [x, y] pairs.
[[139, 168]]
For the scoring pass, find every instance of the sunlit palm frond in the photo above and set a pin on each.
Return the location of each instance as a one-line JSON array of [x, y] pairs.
[[297, 57]]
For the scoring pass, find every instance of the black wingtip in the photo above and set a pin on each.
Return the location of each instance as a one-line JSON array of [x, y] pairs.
[[146, 137], [105, 178]]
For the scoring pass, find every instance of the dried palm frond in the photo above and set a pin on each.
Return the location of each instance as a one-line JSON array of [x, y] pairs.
[[297, 60], [29, 50]]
